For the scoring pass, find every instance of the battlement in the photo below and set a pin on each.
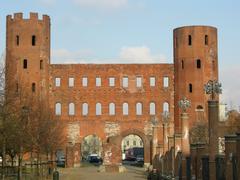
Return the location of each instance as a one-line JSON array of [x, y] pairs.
[[32, 17]]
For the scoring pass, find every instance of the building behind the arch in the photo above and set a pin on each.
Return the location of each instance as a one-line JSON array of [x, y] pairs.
[[108, 99]]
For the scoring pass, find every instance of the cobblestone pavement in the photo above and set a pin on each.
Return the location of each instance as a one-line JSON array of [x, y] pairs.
[[91, 173]]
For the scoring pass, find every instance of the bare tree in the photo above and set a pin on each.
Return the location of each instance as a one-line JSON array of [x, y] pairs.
[[199, 133]]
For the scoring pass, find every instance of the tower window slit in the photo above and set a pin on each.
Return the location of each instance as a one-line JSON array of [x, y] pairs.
[[189, 40], [41, 64], [190, 88], [33, 40], [198, 63], [25, 64], [182, 63], [206, 39], [17, 40], [33, 87]]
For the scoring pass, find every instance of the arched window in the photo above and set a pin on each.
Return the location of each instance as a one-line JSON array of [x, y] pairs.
[[84, 109], [206, 39], [111, 109], [199, 108], [139, 108], [198, 63], [33, 87], [125, 108], [165, 107], [190, 88], [33, 40], [71, 109], [152, 108], [58, 109], [165, 82], [25, 64], [98, 109], [189, 40]]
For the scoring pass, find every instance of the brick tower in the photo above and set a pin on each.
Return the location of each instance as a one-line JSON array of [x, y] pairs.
[[27, 57], [195, 62]]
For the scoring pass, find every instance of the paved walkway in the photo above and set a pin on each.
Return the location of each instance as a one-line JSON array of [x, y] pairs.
[[91, 173]]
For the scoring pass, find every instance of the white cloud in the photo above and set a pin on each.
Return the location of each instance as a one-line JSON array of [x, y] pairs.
[[231, 85], [127, 55], [140, 54], [105, 4]]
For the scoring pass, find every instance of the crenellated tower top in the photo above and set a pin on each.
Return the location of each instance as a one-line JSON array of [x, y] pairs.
[[33, 17]]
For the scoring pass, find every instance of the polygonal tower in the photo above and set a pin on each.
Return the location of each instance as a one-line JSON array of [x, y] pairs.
[[195, 63], [27, 57]]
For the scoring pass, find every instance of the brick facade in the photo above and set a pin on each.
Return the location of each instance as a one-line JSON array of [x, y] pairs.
[[29, 39]]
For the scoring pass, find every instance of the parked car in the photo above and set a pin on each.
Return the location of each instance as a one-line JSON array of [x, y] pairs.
[[61, 161], [94, 158]]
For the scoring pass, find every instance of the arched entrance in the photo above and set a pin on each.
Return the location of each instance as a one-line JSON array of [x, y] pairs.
[[115, 143], [132, 150], [91, 145]]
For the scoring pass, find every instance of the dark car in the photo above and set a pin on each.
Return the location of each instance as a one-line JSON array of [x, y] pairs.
[[94, 159], [61, 162]]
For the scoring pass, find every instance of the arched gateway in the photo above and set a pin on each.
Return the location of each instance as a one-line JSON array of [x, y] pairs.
[[112, 148]]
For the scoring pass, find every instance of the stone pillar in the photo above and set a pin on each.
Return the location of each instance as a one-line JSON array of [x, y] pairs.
[[165, 136], [185, 146], [77, 155], [230, 151], [193, 152], [177, 142], [170, 142], [220, 168], [200, 151], [111, 158], [234, 168], [205, 168], [154, 141], [213, 118], [188, 168], [69, 160]]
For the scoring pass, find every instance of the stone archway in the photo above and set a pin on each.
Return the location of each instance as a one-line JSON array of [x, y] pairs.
[[91, 144], [113, 152]]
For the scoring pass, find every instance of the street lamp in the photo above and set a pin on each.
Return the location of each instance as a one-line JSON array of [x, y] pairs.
[[213, 87]]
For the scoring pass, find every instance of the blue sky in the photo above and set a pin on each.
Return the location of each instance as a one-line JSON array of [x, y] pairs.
[[133, 31]]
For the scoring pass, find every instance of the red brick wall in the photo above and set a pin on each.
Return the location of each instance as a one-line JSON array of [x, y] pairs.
[[190, 73], [91, 94]]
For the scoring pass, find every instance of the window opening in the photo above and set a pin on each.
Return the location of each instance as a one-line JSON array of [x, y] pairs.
[[189, 40], [33, 87], [206, 39], [198, 63], [25, 64], [190, 88], [33, 40]]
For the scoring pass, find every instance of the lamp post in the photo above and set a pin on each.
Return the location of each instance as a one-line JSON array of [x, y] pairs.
[[213, 88], [154, 122], [185, 146], [165, 122]]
